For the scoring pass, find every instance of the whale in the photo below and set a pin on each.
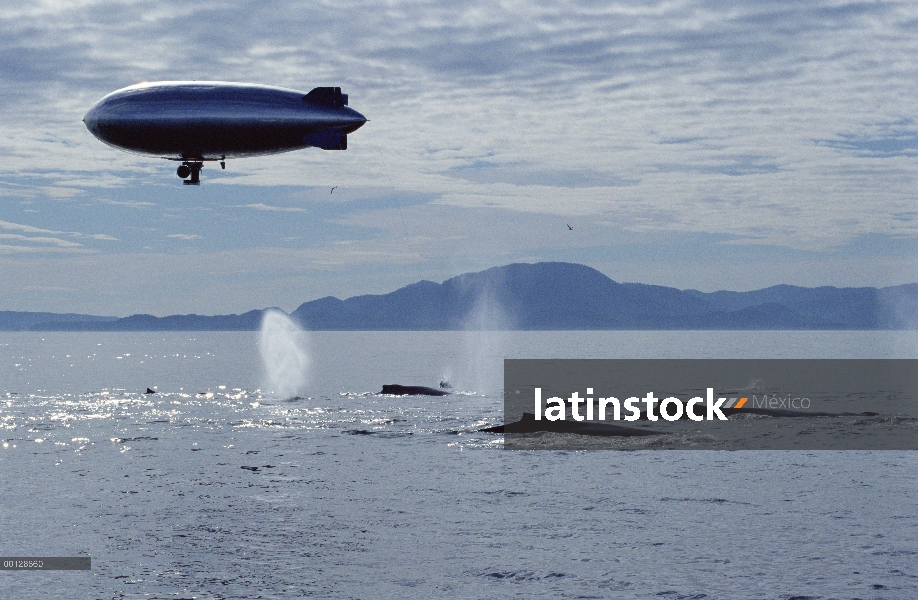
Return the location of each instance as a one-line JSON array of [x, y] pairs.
[[528, 424], [765, 412], [396, 389]]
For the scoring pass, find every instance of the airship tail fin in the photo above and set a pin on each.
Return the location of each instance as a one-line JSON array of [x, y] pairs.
[[326, 96]]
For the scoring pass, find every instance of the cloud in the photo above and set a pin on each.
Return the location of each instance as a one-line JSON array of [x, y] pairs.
[[11, 249], [262, 206], [128, 203], [484, 172], [40, 240], [770, 123], [184, 236], [882, 140], [24, 228], [49, 240]]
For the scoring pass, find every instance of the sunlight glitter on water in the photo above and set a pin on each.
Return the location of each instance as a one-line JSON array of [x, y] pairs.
[[347, 493]]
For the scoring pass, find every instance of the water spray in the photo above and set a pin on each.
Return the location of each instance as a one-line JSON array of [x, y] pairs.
[[283, 352]]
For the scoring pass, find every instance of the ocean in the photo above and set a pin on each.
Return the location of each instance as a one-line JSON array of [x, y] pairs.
[[221, 486]]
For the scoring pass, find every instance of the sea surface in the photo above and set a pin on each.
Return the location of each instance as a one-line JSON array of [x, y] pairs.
[[219, 486]]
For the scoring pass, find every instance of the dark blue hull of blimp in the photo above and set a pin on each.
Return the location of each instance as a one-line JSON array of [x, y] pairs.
[[197, 121]]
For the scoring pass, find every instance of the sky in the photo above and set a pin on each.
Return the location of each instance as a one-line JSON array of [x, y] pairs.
[[705, 145]]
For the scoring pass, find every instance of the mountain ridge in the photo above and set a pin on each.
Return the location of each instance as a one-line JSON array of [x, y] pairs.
[[546, 296]]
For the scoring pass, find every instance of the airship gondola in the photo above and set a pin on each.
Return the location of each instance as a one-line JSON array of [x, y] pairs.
[[197, 121]]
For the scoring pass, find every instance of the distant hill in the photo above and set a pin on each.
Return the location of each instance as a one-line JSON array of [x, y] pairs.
[[245, 322], [568, 296], [564, 296], [24, 321]]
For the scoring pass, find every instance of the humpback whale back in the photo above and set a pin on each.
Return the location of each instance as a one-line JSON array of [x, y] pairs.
[[411, 390]]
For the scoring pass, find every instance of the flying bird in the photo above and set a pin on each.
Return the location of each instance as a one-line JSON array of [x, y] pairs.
[[569, 227], [197, 121], [333, 190]]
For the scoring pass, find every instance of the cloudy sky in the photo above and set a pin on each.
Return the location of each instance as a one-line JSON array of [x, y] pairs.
[[708, 145]]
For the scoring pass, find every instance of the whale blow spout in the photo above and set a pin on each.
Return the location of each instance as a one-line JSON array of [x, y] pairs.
[[283, 352]]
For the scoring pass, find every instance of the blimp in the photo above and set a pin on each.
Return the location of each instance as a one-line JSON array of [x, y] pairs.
[[193, 122]]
